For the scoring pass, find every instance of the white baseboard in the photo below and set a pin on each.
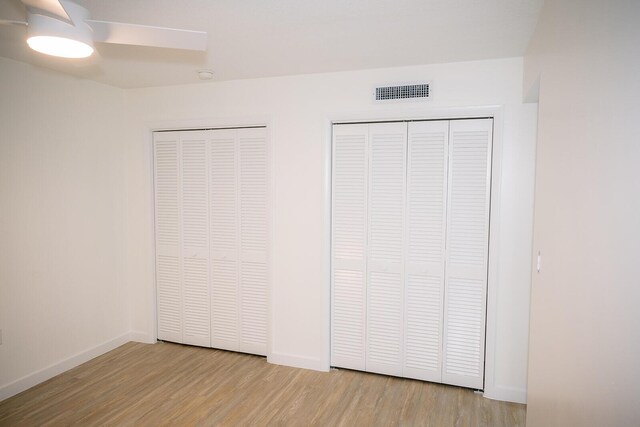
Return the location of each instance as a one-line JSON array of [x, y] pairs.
[[506, 394], [296, 361], [142, 337], [28, 381]]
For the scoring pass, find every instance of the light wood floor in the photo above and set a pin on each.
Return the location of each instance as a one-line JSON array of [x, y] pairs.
[[145, 384]]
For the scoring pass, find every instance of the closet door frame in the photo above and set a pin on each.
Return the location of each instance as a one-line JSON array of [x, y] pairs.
[[149, 153], [494, 112]]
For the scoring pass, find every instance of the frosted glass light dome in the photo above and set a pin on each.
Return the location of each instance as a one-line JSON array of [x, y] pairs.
[[60, 46]]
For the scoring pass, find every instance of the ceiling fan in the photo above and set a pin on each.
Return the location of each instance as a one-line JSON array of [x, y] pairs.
[[64, 28]]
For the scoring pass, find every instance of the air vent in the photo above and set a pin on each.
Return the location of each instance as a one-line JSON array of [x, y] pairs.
[[416, 91]]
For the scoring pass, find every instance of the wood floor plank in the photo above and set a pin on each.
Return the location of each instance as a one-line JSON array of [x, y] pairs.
[[172, 384]]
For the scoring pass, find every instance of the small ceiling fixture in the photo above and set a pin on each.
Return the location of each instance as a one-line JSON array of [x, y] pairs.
[[205, 74]]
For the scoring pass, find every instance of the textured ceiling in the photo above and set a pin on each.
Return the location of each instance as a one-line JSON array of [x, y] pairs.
[[263, 38]]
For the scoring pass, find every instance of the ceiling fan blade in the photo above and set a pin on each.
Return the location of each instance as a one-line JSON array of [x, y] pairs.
[[12, 22], [51, 7], [143, 35]]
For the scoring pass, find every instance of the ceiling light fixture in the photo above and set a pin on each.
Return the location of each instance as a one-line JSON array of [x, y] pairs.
[[55, 37], [59, 46], [205, 74]]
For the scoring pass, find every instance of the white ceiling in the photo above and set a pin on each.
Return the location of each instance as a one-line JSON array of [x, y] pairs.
[[263, 38]]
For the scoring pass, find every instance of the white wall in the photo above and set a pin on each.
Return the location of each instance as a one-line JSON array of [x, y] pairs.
[[585, 323], [298, 110], [62, 299]]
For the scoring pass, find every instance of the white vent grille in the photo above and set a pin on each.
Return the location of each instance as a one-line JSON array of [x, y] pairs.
[[415, 91]]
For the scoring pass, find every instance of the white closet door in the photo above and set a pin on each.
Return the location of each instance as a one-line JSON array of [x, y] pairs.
[[467, 249], [212, 237], [224, 224], [425, 246], [385, 261], [167, 221], [349, 243], [195, 242], [254, 237]]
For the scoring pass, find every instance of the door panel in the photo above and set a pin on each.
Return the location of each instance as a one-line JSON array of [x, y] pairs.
[[349, 243], [426, 227], [467, 252], [385, 287]]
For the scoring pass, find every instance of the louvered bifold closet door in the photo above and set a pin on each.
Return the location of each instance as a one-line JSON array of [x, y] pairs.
[[385, 260], [167, 234], [349, 246], [467, 251], [425, 246], [253, 182], [195, 242], [224, 227]]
